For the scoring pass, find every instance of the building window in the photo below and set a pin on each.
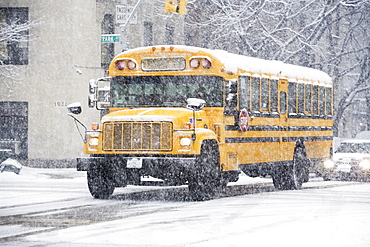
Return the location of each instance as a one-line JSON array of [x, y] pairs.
[[148, 33], [14, 128], [169, 35], [107, 49], [14, 50]]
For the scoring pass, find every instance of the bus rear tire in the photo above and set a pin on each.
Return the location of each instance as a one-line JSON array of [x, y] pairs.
[[205, 178], [280, 178], [100, 181], [299, 169], [294, 174]]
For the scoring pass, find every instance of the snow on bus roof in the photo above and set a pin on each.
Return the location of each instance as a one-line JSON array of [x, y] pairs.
[[233, 62]]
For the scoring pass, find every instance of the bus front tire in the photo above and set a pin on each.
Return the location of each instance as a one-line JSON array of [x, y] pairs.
[[100, 181], [205, 178]]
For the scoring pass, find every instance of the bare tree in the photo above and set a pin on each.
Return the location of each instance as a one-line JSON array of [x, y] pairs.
[[352, 57], [331, 35], [12, 33]]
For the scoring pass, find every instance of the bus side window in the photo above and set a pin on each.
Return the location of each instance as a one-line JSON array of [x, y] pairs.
[[292, 97], [256, 93], [245, 95], [265, 94], [328, 101], [273, 95], [300, 97], [282, 102], [315, 98], [308, 98], [322, 100]]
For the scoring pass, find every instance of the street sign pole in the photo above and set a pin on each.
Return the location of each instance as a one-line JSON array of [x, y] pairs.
[[124, 26]]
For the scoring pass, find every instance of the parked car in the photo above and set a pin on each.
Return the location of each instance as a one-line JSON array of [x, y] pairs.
[[10, 165], [351, 161], [363, 135]]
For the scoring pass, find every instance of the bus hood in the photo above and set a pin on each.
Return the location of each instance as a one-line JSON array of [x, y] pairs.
[[148, 114]]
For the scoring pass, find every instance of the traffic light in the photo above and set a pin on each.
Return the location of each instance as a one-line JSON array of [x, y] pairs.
[[182, 7], [171, 6], [176, 7]]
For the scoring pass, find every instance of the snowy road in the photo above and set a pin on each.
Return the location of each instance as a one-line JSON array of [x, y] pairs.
[[49, 207]]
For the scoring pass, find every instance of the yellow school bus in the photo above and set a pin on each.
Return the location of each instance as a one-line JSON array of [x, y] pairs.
[[196, 116]]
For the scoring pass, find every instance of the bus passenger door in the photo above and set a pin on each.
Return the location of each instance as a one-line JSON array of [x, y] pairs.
[[283, 121]]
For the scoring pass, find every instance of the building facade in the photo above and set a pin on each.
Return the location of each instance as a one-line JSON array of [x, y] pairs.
[[51, 68]]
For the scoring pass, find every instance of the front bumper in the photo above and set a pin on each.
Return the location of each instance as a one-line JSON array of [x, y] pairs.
[[84, 163]]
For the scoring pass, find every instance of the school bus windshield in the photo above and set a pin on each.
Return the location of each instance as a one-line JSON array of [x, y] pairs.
[[171, 91]]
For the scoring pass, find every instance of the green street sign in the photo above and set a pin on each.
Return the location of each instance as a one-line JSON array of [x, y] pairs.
[[110, 38]]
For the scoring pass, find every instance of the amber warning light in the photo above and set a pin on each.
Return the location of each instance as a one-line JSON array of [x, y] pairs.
[[94, 126]]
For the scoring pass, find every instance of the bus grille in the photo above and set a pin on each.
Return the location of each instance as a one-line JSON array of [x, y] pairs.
[[137, 136]]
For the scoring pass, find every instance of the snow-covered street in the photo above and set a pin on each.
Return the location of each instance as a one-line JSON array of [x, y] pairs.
[[173, 99], [52, 207]]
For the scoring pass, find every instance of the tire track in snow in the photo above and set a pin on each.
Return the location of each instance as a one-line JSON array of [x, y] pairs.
[[59, 214]]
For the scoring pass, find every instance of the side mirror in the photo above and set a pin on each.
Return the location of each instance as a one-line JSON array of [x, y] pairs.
[[195, 104], [92, 93], [99, 93], [92, 86], [75, 108]]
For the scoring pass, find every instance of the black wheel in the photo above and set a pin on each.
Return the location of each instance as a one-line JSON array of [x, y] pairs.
[[100, 181], [205, 178], [280, 178], [133, 176], [298, 170], [293, 175]]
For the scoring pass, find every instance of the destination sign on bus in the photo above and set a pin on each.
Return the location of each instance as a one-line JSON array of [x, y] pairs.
[[163, 64]]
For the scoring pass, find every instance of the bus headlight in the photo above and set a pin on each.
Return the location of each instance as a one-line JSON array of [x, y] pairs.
[[365, 164], [185, 141], [93, 142], [329, 164]]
